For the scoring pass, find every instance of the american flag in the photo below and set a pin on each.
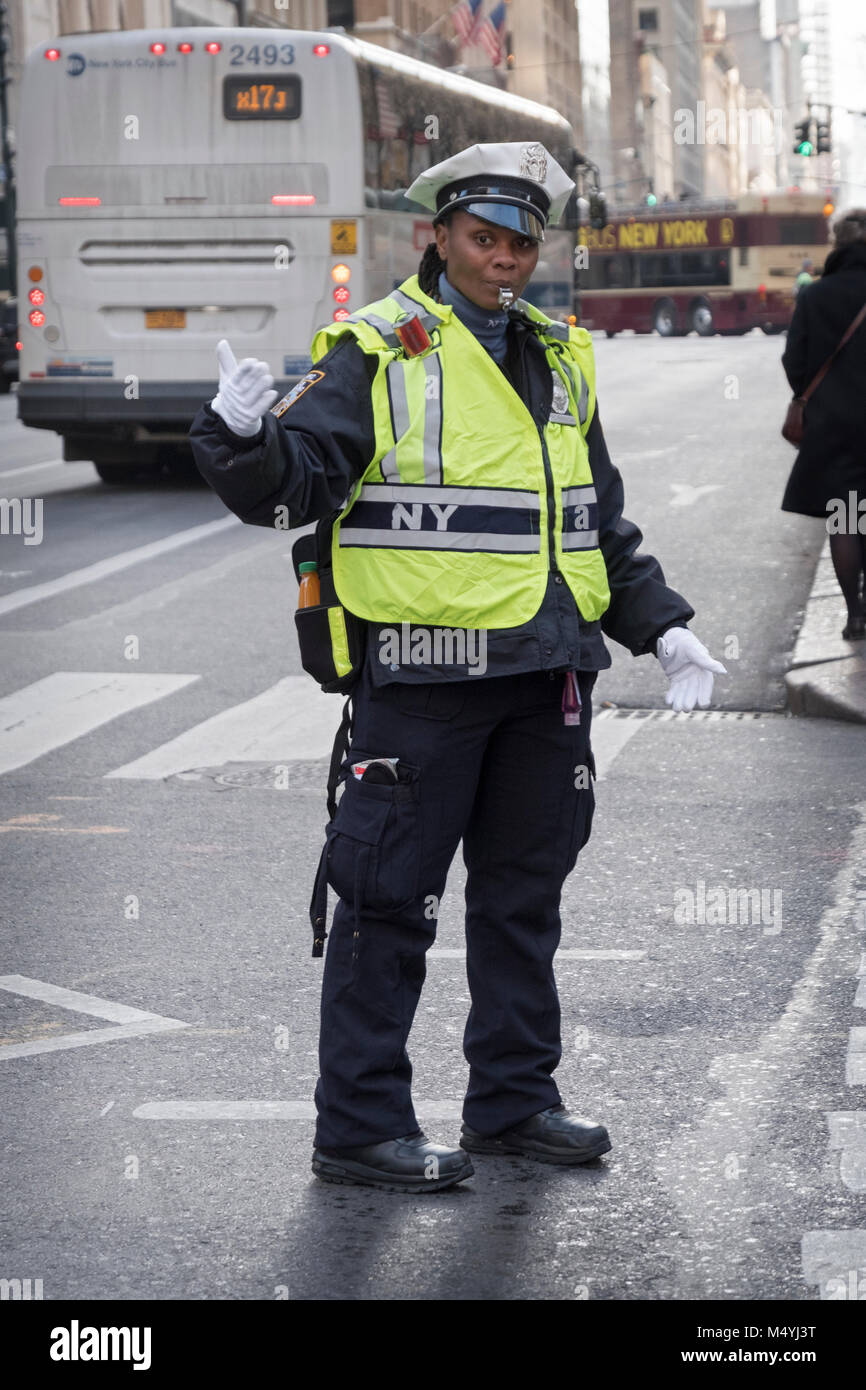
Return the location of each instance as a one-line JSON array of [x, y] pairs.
[[465, 19], [491, 32]]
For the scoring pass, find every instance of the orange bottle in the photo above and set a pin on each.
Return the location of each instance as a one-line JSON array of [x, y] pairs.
[[308, 593]]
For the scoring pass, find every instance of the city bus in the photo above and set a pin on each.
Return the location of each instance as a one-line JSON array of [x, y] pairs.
[[178, 186], [723, 267]]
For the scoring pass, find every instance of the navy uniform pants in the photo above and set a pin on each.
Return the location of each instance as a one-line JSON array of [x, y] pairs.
[[489, 761]]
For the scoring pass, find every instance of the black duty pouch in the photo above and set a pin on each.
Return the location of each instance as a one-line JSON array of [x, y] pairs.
[[331, 639]]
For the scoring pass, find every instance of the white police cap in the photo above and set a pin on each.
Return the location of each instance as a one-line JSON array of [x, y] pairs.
[[518, 185]]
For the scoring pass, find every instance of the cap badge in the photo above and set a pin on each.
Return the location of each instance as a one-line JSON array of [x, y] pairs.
[[533, 162]]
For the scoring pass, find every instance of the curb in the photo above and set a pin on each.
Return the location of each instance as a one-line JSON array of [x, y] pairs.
[[827, 676]]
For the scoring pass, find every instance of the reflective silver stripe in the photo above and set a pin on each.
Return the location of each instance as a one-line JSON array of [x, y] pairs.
[[570, 368], [456, 496], [580, 540], [412, 306], [561, 419], [433, 419], [584, 398], [557, 330], [400, 412], [577, 496], [437, 540], [382, 326]]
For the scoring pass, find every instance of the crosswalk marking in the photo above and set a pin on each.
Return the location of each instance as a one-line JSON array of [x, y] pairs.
[[855, 1062], [848, 1134], [269, 1110], [567, 953], [608, 738], [67, 704], [291, 720]]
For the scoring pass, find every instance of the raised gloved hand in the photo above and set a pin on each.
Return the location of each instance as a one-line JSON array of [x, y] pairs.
[[244, 393], [689, 668]]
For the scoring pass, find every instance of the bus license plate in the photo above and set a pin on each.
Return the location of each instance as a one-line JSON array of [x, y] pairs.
[[165, 318]]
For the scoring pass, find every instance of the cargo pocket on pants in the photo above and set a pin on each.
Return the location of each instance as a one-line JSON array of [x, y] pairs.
[[374, 843]]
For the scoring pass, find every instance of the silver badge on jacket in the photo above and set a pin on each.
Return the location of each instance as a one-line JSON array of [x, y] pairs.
[[559, 405]]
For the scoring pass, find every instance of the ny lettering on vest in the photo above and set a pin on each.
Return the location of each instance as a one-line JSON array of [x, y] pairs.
[[411, 516]]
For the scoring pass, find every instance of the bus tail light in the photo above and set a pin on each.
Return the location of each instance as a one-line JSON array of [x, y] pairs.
[[212, 47], [37, 318], [762, 294], [52, 54], [321, 50], [184, 47], [340, 314], [293, 200], [35, 272], [79, 202], [157, 47], [341, 273], [341, 294], [36, 296], [19, 346]]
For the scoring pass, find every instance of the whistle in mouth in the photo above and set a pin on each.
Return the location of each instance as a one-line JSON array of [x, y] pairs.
[[506, 297]]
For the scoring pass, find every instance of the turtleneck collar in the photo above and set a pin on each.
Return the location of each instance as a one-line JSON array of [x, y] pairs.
[[488, 325]]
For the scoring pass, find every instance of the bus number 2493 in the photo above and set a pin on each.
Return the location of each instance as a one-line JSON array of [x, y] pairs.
[[268, 53]]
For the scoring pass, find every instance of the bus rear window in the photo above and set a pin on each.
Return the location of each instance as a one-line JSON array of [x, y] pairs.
[[275, 98], [796, 231]]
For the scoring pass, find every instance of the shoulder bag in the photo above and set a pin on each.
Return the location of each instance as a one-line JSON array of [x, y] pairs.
[[792, 430]]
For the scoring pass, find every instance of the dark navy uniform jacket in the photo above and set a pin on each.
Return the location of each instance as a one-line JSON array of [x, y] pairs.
[[308, 460]]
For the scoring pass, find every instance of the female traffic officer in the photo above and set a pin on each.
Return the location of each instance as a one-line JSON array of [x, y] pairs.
[[481, 540]]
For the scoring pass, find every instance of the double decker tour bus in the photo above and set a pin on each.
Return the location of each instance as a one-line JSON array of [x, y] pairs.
[[177, 186], [723, 267]]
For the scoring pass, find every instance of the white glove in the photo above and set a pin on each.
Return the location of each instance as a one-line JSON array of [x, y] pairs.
[[689, 668], [244, 394]]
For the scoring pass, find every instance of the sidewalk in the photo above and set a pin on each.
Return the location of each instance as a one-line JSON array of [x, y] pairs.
[[827, 677]]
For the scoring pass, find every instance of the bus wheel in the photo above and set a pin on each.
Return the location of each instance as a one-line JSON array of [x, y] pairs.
[[772, 327], [702, 319], [610, 332], [665, 318], [115, 472]]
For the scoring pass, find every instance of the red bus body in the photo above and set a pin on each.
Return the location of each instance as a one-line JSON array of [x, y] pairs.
[[714, 269]]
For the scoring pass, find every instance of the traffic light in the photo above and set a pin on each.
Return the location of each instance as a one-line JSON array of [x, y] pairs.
[[824, 136], [597, 209], [803, 143]]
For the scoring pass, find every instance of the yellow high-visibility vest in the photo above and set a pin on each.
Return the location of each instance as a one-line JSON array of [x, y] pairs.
[[467, 505]]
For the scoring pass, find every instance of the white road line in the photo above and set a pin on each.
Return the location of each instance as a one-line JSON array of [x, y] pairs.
[[73, 999], [608, 738], [855, 1062], [835, 1261], [95, 1035], [101, 569], [32, 468], [269, 1110], [68, 704], [848, 1133], [569, 953], [129, 1022], [291, 720]]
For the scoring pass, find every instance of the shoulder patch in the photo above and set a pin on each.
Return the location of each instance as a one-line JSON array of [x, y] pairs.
[[297, 390]]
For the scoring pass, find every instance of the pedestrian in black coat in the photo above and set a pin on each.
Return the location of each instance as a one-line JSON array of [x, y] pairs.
[[831, 463]]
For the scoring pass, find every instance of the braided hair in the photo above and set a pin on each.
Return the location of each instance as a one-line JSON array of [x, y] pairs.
[[431, 267]]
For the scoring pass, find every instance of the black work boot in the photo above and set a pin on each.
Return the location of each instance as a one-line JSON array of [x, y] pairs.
[[410, 1164], [552, 1136]]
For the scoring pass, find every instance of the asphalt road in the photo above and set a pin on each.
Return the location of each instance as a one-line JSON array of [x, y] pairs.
[[150, 864]]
